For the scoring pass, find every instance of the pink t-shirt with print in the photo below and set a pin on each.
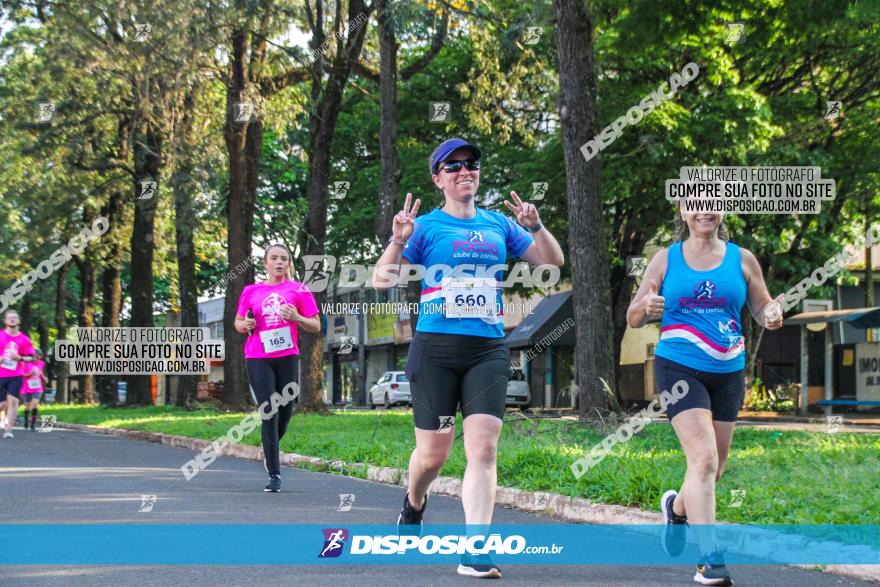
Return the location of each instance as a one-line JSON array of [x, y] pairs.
[[274, 336], [19, 343], [34, 383]]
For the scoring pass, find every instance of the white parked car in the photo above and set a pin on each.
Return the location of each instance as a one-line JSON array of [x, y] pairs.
[[391, 389], [518, 393]]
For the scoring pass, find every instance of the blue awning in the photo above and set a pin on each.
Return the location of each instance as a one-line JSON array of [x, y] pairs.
[[858, 317]]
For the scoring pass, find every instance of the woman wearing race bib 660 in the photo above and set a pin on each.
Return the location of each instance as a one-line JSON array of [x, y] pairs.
[[458, 358], [271, 313], [698, 287]]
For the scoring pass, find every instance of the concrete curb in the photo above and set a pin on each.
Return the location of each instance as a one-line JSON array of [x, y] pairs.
[[565, 508]]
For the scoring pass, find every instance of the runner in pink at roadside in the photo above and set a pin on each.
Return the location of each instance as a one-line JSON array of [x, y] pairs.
[[266, 301], [16, 354], [32, 390], [270, 314]]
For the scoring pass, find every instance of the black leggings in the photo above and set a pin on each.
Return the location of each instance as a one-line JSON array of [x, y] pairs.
[[268, 376]]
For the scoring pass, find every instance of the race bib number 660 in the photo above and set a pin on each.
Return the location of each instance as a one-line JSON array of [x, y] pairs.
[[469, 297]]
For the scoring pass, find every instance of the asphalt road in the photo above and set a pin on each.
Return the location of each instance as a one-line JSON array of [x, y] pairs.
[[78, 477]]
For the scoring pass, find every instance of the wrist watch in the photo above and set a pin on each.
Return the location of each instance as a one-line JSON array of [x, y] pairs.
[[535, 228], [396, 241]]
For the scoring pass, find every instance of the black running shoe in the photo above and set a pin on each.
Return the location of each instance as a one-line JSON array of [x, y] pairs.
[[478, 565], [410, 516], [274, 485], [711, 571], [674, 535]]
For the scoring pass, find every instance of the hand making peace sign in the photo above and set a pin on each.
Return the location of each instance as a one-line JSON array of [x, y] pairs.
[[526, 214], [404, 220]]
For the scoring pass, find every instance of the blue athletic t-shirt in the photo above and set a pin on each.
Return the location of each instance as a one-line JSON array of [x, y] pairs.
[[454, 247], [700, 327]]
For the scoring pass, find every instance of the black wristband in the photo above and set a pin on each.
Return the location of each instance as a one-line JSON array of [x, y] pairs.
[[535, 228]]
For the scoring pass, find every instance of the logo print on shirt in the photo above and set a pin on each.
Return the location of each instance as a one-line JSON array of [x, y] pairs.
[[704, 299], [475, 243], [271, 309], [704, 290]]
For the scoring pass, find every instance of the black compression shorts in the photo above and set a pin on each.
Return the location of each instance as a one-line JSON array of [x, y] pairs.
[[720, 393], [447, 372]]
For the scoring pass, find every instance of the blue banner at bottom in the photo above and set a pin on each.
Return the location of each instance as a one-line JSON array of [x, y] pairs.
[[551, 544]]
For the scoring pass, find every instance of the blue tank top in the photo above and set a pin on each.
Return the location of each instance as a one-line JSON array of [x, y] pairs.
[[700, 327], [451, 247]]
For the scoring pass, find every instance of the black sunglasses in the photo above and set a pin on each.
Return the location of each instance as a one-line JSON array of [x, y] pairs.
[[455, 166]]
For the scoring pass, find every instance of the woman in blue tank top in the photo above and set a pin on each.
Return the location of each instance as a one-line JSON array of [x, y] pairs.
[[458, 359], [698, 287]]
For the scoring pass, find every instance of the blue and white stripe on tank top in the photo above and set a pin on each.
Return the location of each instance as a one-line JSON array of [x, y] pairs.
[[701, 320]]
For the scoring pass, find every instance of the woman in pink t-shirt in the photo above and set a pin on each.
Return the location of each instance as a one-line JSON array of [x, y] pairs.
[[32, 389], [271, 313]]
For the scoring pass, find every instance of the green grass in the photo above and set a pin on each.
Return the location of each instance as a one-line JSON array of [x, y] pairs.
[[788, 478]]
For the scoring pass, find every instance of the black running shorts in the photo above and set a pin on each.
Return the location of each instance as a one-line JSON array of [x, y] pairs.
[[448, 372], [10, 386], [720, 393]]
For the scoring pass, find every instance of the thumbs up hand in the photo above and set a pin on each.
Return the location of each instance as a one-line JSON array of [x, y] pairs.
[[654, 303], [773, 313]]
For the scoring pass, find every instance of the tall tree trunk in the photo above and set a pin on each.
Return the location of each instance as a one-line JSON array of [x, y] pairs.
[[88, 277], [185, 222], [389, 184], [25, 315], [43, 332], [61, 394], [111, 289], [588, 246], [147, 166], [322, 128], [240, 218]]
